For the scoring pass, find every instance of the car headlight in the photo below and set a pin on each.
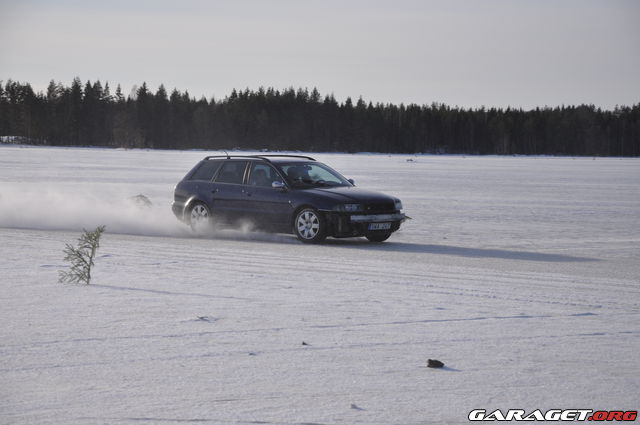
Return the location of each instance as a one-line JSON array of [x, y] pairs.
[[398, 204], [348, 207]]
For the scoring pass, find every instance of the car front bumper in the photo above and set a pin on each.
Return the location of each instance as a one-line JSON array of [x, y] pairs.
[[343, 225], [378, 218]]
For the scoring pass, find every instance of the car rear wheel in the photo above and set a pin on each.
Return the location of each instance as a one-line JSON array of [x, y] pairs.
[[374, 237], [199, 217], [309, 226]]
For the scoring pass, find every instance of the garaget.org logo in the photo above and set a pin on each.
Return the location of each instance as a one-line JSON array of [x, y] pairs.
[[553, 415]]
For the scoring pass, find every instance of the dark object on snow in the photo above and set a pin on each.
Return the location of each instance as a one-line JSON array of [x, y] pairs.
[[304, 343], [141, 201], [206, 319], [434, 363]]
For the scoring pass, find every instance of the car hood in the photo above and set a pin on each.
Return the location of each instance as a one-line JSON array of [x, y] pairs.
[[351, 194]]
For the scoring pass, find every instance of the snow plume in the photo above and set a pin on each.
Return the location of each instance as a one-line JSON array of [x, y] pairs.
[[50, 207], [123, 211]]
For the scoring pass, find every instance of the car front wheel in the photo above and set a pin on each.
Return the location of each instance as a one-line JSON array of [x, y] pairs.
[[309, 226]]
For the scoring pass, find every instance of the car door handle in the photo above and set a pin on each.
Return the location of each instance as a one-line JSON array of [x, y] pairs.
[[214, 191]]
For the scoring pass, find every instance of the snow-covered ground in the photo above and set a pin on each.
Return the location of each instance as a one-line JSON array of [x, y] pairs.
[[521, 274]]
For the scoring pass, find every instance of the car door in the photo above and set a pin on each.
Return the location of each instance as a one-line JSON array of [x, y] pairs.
[[226, 191], [265, 205]]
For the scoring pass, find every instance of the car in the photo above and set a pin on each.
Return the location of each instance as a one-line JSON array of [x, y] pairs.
[[285, 194]]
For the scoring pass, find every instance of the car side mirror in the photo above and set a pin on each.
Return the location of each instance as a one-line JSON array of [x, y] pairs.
[[278, 185], [352, 182]]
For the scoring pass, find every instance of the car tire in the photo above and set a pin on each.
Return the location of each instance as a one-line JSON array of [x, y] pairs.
[[199, 217], [310, 226], [378, 237]]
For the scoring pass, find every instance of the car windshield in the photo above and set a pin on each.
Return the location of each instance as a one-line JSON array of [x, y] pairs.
[[312, 174]]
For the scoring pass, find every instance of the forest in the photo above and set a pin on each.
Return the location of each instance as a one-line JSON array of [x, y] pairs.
[[92, 114]]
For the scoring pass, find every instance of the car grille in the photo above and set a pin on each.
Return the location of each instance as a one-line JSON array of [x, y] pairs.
[[387, 207]]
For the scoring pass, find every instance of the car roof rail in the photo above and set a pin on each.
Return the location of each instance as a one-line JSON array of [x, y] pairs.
[[264, 157], [284, 156], [225, 156]]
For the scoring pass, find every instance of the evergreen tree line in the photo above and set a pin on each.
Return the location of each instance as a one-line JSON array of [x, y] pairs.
[[290, 119]]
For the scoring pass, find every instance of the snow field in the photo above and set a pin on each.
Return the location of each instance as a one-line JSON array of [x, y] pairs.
[[520, 274]]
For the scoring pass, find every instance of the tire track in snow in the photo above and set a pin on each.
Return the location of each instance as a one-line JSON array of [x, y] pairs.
[[5, 348], [356, 346], [243, 261]]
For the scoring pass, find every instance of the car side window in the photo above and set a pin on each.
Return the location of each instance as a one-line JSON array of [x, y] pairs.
[[232, 172], [311, 174], [206, 170], [262, 175]]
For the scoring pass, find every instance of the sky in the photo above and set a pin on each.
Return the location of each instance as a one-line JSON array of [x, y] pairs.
[[467, 53]]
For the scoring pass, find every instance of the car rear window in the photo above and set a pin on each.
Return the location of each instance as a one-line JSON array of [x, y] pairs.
[[206, 170]]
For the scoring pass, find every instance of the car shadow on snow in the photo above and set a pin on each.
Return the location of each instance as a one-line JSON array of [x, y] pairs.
[[391, 246], [457, 251]]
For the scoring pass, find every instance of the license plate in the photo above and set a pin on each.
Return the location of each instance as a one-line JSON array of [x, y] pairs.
[[379, 226]]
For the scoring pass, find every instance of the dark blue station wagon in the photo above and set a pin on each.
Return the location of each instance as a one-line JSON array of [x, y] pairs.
[[285, 194]]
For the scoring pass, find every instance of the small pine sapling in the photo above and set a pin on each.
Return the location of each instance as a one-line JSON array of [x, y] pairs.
[[81, 258]]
